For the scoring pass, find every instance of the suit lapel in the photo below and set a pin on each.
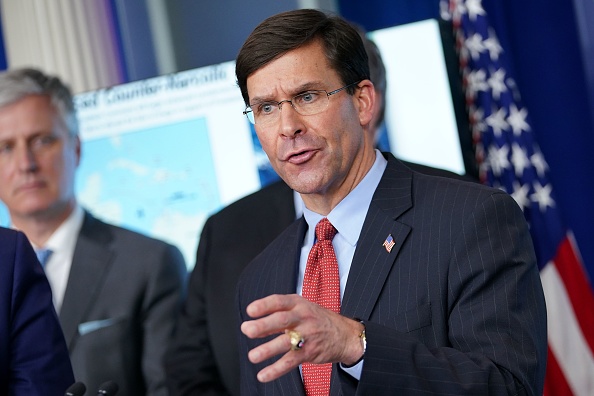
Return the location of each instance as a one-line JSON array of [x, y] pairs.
[[285, 283], [372, 261], [90, 265]]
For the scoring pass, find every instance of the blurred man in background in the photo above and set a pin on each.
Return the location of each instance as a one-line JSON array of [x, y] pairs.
[[202, 359], [33, 356], [116, 292]]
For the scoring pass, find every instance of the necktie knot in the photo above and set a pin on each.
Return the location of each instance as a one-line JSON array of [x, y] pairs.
[[43, 255], [325, 231]]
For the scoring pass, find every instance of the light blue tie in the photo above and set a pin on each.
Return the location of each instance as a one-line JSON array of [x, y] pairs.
[[43, 255]]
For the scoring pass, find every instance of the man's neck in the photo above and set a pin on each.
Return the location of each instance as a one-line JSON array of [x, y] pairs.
[[322, 202], [40, 227]]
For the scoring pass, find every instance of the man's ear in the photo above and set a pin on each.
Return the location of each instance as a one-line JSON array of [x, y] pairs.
[[366, 99], [77, 148]]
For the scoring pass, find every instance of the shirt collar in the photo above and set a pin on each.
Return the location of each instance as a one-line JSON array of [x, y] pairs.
[[348, 216], [65, 236]]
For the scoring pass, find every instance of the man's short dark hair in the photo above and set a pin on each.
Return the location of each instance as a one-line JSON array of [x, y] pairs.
[[287, 31]]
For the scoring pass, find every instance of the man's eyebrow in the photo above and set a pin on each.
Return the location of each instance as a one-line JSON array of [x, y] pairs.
[[308, 86]]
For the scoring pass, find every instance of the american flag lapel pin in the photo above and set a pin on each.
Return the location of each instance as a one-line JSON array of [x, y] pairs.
[[389, 243]]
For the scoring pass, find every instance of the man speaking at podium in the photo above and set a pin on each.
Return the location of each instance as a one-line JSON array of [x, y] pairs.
[[394, 282]]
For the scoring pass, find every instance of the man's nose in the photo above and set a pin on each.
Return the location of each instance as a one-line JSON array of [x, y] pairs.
[[290, 120], [26, 159]]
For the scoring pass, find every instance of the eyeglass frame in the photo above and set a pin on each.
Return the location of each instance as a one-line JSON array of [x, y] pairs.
[[249, 109]]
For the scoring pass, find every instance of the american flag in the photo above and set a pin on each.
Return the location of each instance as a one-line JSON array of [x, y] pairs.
[[510, 159], [389, 243]]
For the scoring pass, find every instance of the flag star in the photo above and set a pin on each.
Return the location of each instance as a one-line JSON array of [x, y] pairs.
[[474, 45], [513, 87], [498, 161], [542, 195], [474, 8], [497, 121], [444, 11], [492, 45], [497, 83], [539, 163], [520, 194], [451, 9], [476, 81], [519, 159], [517, 120], [477, 121]]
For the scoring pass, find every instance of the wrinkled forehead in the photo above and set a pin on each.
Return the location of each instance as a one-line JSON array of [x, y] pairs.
[[304, 68]]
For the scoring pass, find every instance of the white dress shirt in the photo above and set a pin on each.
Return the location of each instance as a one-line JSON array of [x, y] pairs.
[[62, 243]]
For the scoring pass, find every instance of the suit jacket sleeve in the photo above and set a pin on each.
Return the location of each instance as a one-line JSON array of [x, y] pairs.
[[39, 362], [495, 319]]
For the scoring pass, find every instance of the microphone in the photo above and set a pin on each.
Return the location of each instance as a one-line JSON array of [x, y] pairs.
[[76, 389], [108, 388]]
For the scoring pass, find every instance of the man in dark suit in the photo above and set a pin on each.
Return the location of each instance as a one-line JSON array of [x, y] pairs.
[[437, 286], [33, 356], [116, 292], [202, 358]]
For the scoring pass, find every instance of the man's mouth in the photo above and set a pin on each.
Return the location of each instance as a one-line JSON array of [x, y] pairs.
[[300, 157], [32, 185]]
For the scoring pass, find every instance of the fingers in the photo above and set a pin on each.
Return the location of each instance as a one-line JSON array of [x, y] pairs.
[[276, 313], [327, 336], [288, 362], [274, 323], [270, 304], [276, 346]]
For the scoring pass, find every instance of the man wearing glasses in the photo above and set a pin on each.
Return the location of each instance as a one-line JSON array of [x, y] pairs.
[[394, 282], [308, 103]]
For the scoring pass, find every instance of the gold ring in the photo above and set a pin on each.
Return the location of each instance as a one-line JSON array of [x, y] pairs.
[[296, 340]]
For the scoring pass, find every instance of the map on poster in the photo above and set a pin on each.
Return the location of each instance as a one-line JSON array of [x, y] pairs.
[[167, 192], [161, 155]]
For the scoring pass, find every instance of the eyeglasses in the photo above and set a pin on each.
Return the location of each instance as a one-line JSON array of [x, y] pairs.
[[306, 103]]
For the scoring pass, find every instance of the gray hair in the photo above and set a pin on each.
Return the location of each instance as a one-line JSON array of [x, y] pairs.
[[17, 84]]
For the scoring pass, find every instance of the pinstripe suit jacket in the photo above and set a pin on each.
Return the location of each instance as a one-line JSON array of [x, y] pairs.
[[455, 308]]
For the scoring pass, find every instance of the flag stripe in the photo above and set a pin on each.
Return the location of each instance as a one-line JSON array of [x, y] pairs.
[[555, 383], [580, 293], [566, 339]]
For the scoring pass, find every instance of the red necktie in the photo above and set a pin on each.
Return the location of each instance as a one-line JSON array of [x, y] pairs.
[[321, 285]]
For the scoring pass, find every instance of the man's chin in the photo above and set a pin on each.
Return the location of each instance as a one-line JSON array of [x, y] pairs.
[[31, 209], [304, 185]]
